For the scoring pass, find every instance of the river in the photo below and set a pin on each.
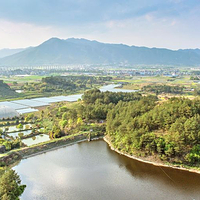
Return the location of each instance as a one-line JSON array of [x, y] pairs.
[[91, 170]]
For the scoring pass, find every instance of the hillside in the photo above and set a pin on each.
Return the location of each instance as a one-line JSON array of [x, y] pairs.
[[80, 51], [9, 52], [6, 91], [167, 131]]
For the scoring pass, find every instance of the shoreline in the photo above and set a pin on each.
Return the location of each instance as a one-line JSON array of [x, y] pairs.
[[24, 153], [59, 147], [149, 162]]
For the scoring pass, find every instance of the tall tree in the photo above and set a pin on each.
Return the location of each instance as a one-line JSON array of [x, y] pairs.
[[10, 186]]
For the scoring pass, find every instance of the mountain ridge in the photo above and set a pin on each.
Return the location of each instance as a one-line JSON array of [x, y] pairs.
[[8, 52], [56, 51]]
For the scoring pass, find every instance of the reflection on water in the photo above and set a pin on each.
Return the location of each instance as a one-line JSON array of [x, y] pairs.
[[92, 171], [14, 128], [16, 134], [36, 139]]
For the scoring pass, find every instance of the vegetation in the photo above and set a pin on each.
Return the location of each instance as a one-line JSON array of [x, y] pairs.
[[169, 130], [64, 84], [11, 144], [6, 91], [136, 124], [96, 96], [158, 89], [10, 185]]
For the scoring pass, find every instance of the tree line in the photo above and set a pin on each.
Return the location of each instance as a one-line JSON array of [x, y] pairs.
[[158, 89], [65, 83]]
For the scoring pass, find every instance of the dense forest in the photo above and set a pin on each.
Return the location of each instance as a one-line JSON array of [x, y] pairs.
[[168, 130]]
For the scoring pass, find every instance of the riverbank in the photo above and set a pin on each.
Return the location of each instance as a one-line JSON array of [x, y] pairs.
[[150, 162], [26, 152]]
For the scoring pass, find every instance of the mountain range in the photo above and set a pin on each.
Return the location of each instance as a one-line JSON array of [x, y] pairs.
[[73, 51], [9, 52]]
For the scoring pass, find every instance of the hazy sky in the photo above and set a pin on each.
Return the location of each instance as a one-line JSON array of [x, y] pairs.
[[154, 23]]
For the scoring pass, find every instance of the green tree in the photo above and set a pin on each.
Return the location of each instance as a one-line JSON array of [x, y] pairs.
[[79, 121], [10, 186], [63, 123], [20, 126], [64, 116]]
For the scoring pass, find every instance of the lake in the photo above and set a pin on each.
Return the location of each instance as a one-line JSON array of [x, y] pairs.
[[90, 170]]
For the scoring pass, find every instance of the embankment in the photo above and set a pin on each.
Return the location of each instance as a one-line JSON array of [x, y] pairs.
[[18, 154]]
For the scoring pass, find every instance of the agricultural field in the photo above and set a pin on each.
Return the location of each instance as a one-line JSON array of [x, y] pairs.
[[190, 87]]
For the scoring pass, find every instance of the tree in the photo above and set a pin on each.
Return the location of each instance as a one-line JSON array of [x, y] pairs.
[[79, 121], [63, 123], [20, 126], [10, 186]]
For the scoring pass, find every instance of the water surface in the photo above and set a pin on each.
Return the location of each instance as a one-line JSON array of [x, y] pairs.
[[88, 171], [16, 134], [14, 128], [36, 139]]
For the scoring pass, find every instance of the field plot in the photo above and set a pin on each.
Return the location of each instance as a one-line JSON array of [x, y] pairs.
[[36, 139], [16, 134]]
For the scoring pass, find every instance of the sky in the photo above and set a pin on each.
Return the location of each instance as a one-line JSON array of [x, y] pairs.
[[173, 24]]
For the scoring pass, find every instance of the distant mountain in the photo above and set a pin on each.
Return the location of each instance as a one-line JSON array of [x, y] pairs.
[[8, 52], [80, 51], [197, 51]]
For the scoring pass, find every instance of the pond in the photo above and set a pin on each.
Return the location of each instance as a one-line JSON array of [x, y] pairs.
[[14, 128], [36, 139], [16, 134], [90, 170]]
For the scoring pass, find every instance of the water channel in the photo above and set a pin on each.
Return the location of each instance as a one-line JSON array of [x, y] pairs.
[[90, 170]]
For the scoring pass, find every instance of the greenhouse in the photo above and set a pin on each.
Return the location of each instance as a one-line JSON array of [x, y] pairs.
[[8, 112]]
